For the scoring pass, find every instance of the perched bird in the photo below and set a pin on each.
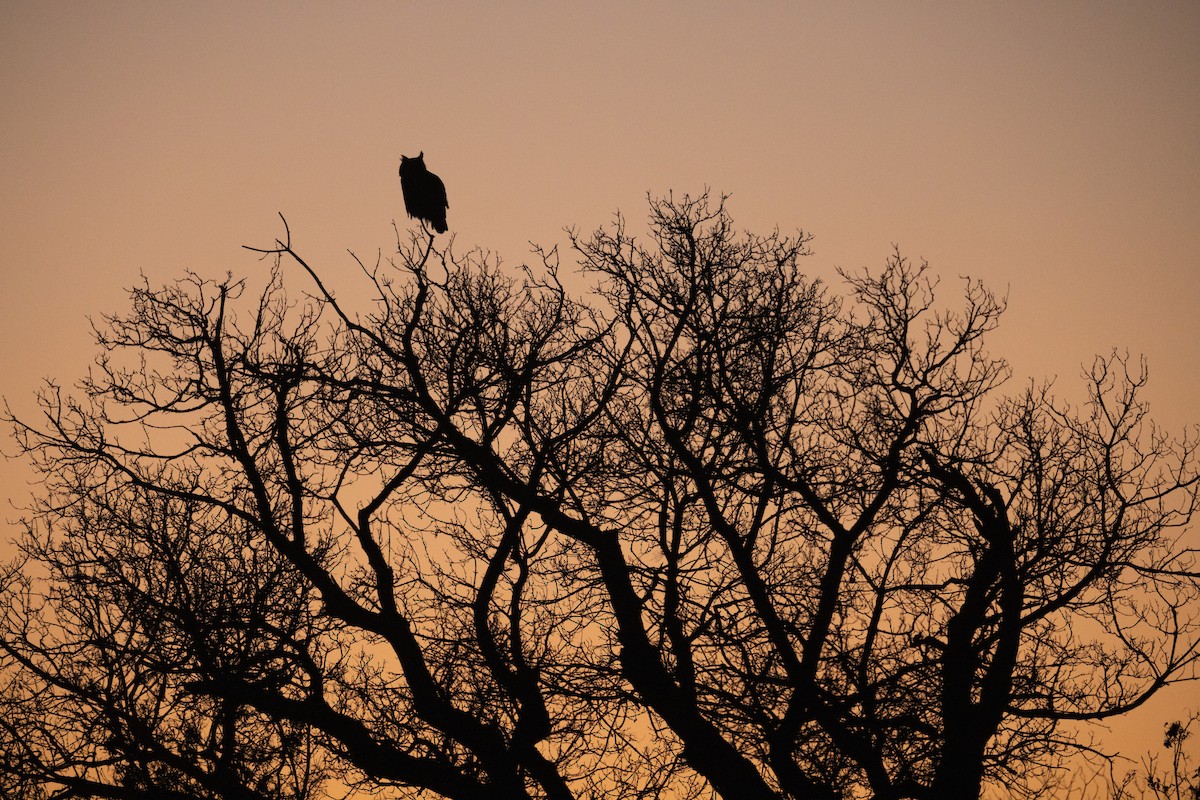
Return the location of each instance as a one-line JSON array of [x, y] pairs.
[[424, 192]]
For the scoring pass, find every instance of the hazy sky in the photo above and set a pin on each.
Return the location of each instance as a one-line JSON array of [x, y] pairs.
[[1051, 149]]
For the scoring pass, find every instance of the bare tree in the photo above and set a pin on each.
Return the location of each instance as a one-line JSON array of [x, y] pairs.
[[1180, 778], [1153, 777], [712, 529], [121, 599]]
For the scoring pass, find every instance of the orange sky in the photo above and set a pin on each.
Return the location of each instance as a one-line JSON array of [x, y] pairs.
[[1052, 149]]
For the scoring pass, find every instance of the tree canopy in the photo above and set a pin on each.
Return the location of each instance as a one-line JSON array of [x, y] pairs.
[[709, 528]]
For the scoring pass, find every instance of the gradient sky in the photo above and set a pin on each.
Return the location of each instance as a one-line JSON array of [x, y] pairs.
[[1051, 149]]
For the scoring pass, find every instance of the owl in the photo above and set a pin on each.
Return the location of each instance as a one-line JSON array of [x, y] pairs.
[[424, 192]]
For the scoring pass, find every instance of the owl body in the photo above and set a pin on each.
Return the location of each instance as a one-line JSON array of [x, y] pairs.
[[424, 192]]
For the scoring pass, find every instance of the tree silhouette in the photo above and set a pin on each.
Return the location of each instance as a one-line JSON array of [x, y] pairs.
[[709, 529], [1180, 779]]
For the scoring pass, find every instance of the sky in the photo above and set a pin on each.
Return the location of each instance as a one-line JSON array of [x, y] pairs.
[[1050, 149]]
